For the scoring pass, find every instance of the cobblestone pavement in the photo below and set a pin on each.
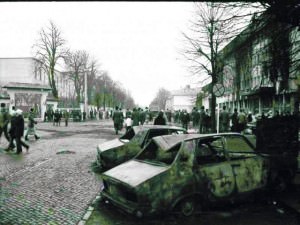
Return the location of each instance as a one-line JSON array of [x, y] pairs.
[[53, 182]]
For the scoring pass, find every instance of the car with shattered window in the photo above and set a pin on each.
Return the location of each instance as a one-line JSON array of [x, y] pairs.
[[183, 173], [114, 152]]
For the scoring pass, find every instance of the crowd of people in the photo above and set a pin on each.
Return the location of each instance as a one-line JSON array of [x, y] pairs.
[[198, 119], [12, 126], [12, 123]]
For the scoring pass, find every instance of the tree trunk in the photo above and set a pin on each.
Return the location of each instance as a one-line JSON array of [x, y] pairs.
[[213, 110], [53, 83]]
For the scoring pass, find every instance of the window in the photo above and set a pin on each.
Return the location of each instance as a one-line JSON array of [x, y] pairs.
[[237, 144], [203, 150]]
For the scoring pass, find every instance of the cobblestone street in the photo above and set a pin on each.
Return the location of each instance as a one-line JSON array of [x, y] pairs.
[[53, 182]]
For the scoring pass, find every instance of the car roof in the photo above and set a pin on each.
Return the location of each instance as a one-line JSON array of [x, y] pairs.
[[147, 127], [168, 141]]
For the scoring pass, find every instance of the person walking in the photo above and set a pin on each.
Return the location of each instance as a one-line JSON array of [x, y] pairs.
[[17, 130], [195, 117], [234, 121], [135, 117], [118, 119], [142, 117], [185, 119], [84, 116], [4, 120], [242, 121], [66, 116], [128, 123], [59, 117], [12, 117], [100, 114], [31, 126], [202, 120], [224, 120], [160, 119]]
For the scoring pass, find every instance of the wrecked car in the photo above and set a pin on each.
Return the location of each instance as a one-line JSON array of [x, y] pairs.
[[119, 150], [183, 172]]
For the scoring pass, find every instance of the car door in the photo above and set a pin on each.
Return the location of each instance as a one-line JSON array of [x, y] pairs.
[[214, 174], [247, 165]]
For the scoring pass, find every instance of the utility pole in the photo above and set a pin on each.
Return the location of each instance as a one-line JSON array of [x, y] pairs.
[[85, 93], [104, 94]]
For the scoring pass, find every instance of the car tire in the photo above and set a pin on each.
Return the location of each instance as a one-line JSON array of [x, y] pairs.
[[187, 207]]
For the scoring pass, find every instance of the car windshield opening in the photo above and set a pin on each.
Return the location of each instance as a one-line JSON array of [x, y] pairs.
[[154, 154]]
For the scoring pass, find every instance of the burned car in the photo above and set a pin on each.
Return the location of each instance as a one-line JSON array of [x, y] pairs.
[[179, 172], [119, 150]]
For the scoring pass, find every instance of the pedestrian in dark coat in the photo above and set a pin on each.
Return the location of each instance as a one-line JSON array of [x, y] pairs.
[[66, 116], [202, 121], [135, 117], [31, 126], [56, 118], [4, 120], [195, 117], [11, 145], [17, 130], [185, 119], [118, 119], [160, 119], [224, 120], [100, 115], [234, 121], [142, 117]]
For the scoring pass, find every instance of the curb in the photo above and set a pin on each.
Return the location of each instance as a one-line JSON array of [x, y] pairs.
[[88, 212]]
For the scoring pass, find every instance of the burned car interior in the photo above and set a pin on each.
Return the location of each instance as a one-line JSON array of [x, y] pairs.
[[154, 154]]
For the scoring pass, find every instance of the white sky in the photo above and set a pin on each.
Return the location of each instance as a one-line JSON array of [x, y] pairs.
[[138, 43]]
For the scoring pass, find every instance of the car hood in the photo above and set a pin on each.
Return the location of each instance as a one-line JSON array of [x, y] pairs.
[[115, 143], [133, 172]]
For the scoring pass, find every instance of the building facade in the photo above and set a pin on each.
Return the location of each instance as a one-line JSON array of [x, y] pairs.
[[182, 99], [261, 72], [24, 84]]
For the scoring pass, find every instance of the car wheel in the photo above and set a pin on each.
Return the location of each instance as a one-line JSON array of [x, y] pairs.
[[187, 207]]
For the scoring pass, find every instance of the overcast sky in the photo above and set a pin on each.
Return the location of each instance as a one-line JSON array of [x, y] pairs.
[[138, 43]]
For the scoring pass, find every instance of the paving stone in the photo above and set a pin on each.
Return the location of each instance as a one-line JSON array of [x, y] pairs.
[[41, 179]]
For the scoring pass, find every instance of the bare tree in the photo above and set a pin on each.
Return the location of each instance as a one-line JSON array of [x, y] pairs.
[[161, 98], [212, 28], [93, 68], [49, 49], [77, 63]]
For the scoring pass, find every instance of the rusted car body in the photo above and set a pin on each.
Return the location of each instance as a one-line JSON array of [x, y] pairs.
[[119, 150], [176, 172]]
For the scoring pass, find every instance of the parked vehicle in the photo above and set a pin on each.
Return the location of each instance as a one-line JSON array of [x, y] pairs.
[[119, 150], [183, 172]]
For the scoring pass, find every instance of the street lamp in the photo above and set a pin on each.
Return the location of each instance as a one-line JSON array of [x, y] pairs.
[[104, 89], [85, 71], [104, 93]]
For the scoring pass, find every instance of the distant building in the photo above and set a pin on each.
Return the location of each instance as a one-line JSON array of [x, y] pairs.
[[24, 84], [182, 99]]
